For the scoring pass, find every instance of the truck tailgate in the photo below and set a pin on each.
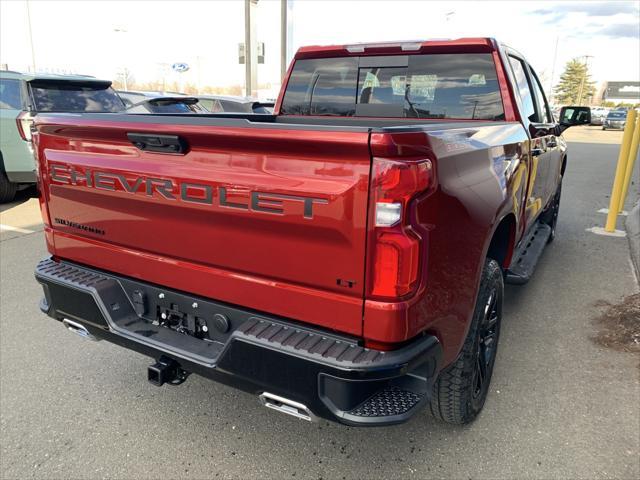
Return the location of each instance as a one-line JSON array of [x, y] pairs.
[[270, 217]]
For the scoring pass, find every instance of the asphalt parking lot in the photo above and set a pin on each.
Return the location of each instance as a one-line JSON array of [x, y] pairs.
[[560, 407]]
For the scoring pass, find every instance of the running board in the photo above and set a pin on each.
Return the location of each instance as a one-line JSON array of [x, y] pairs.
[[526, 257]]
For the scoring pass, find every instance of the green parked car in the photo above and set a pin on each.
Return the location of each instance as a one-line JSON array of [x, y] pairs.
[[22, 96]]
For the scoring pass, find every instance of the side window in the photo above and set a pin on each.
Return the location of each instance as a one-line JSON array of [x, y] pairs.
[[10, 94], [523, 87], [543, 109]]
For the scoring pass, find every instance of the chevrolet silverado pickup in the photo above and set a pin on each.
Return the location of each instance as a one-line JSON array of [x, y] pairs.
[[342, 258]]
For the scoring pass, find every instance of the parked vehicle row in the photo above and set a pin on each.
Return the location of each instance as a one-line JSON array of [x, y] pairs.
[[609, 118], [168, 102], [22, 96]]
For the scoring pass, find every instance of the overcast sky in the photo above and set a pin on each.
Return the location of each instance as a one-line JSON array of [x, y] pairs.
[[81, 36]]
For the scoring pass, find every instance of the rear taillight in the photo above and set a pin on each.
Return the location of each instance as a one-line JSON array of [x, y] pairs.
[[24, 122], [395, 250]]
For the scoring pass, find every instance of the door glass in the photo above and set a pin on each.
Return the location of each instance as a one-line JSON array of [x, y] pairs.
[[523, 87], [543, 109]]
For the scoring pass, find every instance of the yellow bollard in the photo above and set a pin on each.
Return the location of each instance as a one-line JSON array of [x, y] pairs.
[[633, 153], [614, 201]]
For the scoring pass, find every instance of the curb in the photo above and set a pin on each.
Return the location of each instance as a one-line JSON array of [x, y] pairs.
[[633, 233]]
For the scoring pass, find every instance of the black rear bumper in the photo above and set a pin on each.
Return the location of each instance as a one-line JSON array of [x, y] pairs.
[[332, 375]]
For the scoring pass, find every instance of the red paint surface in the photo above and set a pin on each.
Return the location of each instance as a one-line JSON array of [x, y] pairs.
[[279, 263], [460, 45]]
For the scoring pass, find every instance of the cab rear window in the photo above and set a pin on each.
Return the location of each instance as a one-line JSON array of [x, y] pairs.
[[460, 86], [57, 96]]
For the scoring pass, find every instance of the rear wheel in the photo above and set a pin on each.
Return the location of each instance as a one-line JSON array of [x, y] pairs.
[[7, 189], [460, 391]]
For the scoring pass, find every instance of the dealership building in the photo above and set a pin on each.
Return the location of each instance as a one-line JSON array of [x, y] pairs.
[[621, 92]]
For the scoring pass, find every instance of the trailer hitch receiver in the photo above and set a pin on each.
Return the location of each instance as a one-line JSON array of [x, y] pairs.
[[166, 370]]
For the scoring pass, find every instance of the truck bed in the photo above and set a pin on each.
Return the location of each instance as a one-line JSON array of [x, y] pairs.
[[250, 120]]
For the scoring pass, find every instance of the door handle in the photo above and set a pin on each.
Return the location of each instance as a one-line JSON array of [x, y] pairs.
[[536, 152], [552, 143], [151, 142]]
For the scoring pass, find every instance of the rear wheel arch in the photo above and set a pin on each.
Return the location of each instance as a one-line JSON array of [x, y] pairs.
[[456, 397], [7, 189], [500, 248], [503, 241]]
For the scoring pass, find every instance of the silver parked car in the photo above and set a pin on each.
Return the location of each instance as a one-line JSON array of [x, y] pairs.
[[181, 104], [615, 120], [230, 104]]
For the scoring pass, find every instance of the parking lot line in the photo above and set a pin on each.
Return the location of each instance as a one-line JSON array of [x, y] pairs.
[[9, 228]]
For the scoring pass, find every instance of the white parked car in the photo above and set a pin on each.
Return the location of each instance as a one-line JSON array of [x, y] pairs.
[[598, 114]]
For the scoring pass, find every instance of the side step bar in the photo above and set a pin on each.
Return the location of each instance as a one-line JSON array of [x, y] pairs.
[[528, 254]]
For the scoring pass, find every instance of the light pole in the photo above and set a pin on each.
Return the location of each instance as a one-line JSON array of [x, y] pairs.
[[125, 71], [553, 67], [283, 39], [33, 52], [250, 48], [584, 77], [164, 69]]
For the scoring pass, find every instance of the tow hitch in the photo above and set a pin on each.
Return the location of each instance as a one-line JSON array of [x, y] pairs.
[[166, 370]]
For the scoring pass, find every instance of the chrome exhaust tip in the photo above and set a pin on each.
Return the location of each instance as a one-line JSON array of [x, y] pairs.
[[287, 406], [78, 329]]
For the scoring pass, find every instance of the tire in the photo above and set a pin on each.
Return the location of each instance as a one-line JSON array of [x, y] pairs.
[[461, 389], [550, 215], [7, 189]]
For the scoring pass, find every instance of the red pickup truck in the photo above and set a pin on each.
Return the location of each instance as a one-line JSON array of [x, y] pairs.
[[342, 258]]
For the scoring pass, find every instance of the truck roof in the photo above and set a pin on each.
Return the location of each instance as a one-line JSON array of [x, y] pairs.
[[474, 44]]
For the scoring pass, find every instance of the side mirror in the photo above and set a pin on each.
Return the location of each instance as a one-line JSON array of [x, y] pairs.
[[571, 116]]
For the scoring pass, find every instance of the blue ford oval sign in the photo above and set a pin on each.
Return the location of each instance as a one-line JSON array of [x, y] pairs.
[[180, 67]]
